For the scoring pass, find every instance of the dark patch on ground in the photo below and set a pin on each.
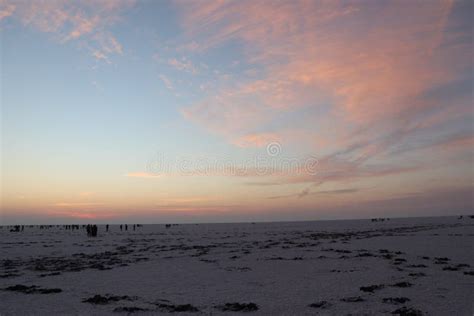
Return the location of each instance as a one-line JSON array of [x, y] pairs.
[[395, 300], [9, 275], [450, 268], [238, 307], [416, 266], [171, 308], [130, 309], [33, 289], [49, 274], [106, 299], [320, 304], [441, 260], [402, 284], [352, 299], [371, 288], [407, 311], [241, 269]]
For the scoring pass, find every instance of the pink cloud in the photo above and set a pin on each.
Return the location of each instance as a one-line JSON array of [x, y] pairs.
[[464, 141], [100, 56], [86, 22], [80, 214], [6, 9], [183, 65], [77, 204], [168, 83], [82, 26], [372, 63], [256, 140], [372, 71]]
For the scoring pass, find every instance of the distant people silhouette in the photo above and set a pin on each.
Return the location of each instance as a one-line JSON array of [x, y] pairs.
[[94, 231]]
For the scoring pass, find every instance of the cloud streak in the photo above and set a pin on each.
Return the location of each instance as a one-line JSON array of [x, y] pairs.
[[86, 22], [307, 192], [368, 68]]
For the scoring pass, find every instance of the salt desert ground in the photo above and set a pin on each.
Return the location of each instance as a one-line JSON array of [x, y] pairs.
[[411, 266]]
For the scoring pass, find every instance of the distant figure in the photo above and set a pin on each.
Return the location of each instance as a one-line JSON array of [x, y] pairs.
[[107, 227], [126, 227], [133, 226], [94, 231], [168, 225], [120, 227]]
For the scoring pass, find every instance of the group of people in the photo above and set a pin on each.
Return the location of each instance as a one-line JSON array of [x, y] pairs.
[[126, 227], [91, 230], [17, 228], [71, 227], [380, 219]]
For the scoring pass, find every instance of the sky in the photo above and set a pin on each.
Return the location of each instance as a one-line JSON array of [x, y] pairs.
[[223, 111]]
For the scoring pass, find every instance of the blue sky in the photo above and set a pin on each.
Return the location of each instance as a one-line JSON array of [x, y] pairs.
[[94, 92]]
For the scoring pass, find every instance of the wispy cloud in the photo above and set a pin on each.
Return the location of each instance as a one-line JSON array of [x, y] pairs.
[[167, 82], [100, 56], [306, 53], [87, 22], [307, 192], [77, 204], [368, 71], [6, 9], [183, 65], [256, 140], [82, 214]]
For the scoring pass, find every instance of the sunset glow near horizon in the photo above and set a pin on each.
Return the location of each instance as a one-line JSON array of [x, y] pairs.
[[217, 111]]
